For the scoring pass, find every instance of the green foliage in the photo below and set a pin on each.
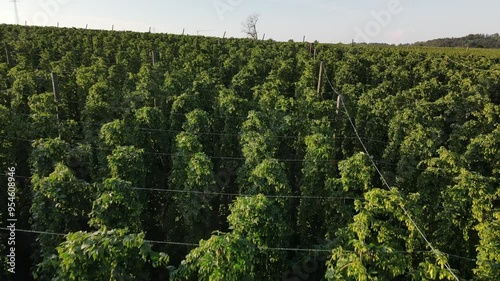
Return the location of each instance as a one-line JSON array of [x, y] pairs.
[[61, 203], [316, 170], [127, 163], [488, 250], [112, 255], [269, 177], [44, 115], [192, 171], [169, 148], [260, 220], [118, 207], [469, 41], [257, 223], [356, 173], [383, 244], [62, 194], [47, 153], [222, 257], [6, 145]]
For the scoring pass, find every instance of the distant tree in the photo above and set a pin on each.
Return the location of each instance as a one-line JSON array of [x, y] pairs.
[[250, 26]]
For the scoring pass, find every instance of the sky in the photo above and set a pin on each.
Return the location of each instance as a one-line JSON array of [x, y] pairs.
[[327, 21]]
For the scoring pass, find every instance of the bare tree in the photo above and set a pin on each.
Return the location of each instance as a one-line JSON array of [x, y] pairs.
[[250, 26]]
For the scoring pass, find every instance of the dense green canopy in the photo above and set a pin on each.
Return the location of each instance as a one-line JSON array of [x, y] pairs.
[[222, 161]]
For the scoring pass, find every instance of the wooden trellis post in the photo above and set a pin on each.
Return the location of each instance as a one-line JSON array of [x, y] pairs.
[[320, 78], [339, 104], [55, 86], [57, 95], [7, 54]]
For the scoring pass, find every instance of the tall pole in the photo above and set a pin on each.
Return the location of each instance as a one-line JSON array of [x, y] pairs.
[[7, 53], [320, 78], [339, 104], [57, 94], [55, 87], [16, 11]]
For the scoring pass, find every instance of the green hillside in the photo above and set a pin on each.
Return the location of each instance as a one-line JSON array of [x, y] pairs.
[[144, 156]]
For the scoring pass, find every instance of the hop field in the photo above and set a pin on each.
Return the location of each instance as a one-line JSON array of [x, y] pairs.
[[146, 156]]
